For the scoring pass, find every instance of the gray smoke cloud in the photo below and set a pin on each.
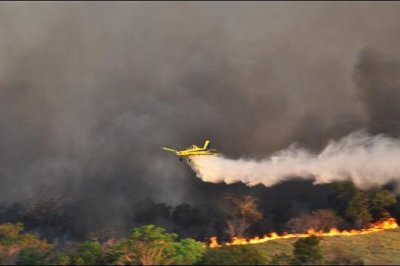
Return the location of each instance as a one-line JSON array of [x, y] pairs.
[[89, 92]]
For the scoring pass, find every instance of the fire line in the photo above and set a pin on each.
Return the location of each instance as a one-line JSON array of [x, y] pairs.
[[389, 223]]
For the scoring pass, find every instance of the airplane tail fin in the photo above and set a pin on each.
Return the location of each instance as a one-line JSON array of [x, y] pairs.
[[206, 144]]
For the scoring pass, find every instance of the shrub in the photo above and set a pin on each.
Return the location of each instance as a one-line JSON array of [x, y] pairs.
[[318, 220], [31, 256], [233, 255], [307, 251]]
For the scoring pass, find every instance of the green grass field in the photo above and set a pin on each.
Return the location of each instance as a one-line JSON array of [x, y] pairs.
[[375, 248]]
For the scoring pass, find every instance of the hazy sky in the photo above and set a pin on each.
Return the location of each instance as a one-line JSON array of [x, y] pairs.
[[89, 92]]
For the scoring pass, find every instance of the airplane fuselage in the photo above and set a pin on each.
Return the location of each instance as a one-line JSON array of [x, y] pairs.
[[194, 150]]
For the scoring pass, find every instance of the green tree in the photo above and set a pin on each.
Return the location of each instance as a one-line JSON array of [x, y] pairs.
[[362, 206], [233, 255], [11, 235], [59, 258], [358, 209], [152, 245], [149, 245], [307, 251], [88, 253], [12, 241], [114, 255], [379, 201], [187, 252], [32, 256]]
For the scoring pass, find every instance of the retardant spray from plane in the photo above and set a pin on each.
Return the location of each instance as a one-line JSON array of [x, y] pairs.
[[364, 159]]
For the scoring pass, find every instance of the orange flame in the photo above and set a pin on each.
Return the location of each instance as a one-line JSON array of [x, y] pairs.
[[375, 227]]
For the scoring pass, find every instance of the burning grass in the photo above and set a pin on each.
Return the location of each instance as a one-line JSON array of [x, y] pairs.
[[380, 247], [375, 227]]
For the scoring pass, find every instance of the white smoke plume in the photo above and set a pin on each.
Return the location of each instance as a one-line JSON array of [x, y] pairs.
[[364, 159]]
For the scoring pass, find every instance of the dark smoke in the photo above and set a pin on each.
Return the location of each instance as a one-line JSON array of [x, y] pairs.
[[89, 92], [377, 77]]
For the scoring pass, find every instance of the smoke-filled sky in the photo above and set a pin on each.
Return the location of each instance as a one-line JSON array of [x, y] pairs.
[[89, 92]]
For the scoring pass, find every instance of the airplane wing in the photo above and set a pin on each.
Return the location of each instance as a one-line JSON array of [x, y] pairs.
[[168, 149]]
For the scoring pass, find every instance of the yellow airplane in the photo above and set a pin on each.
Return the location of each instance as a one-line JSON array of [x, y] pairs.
[[194, 150]]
